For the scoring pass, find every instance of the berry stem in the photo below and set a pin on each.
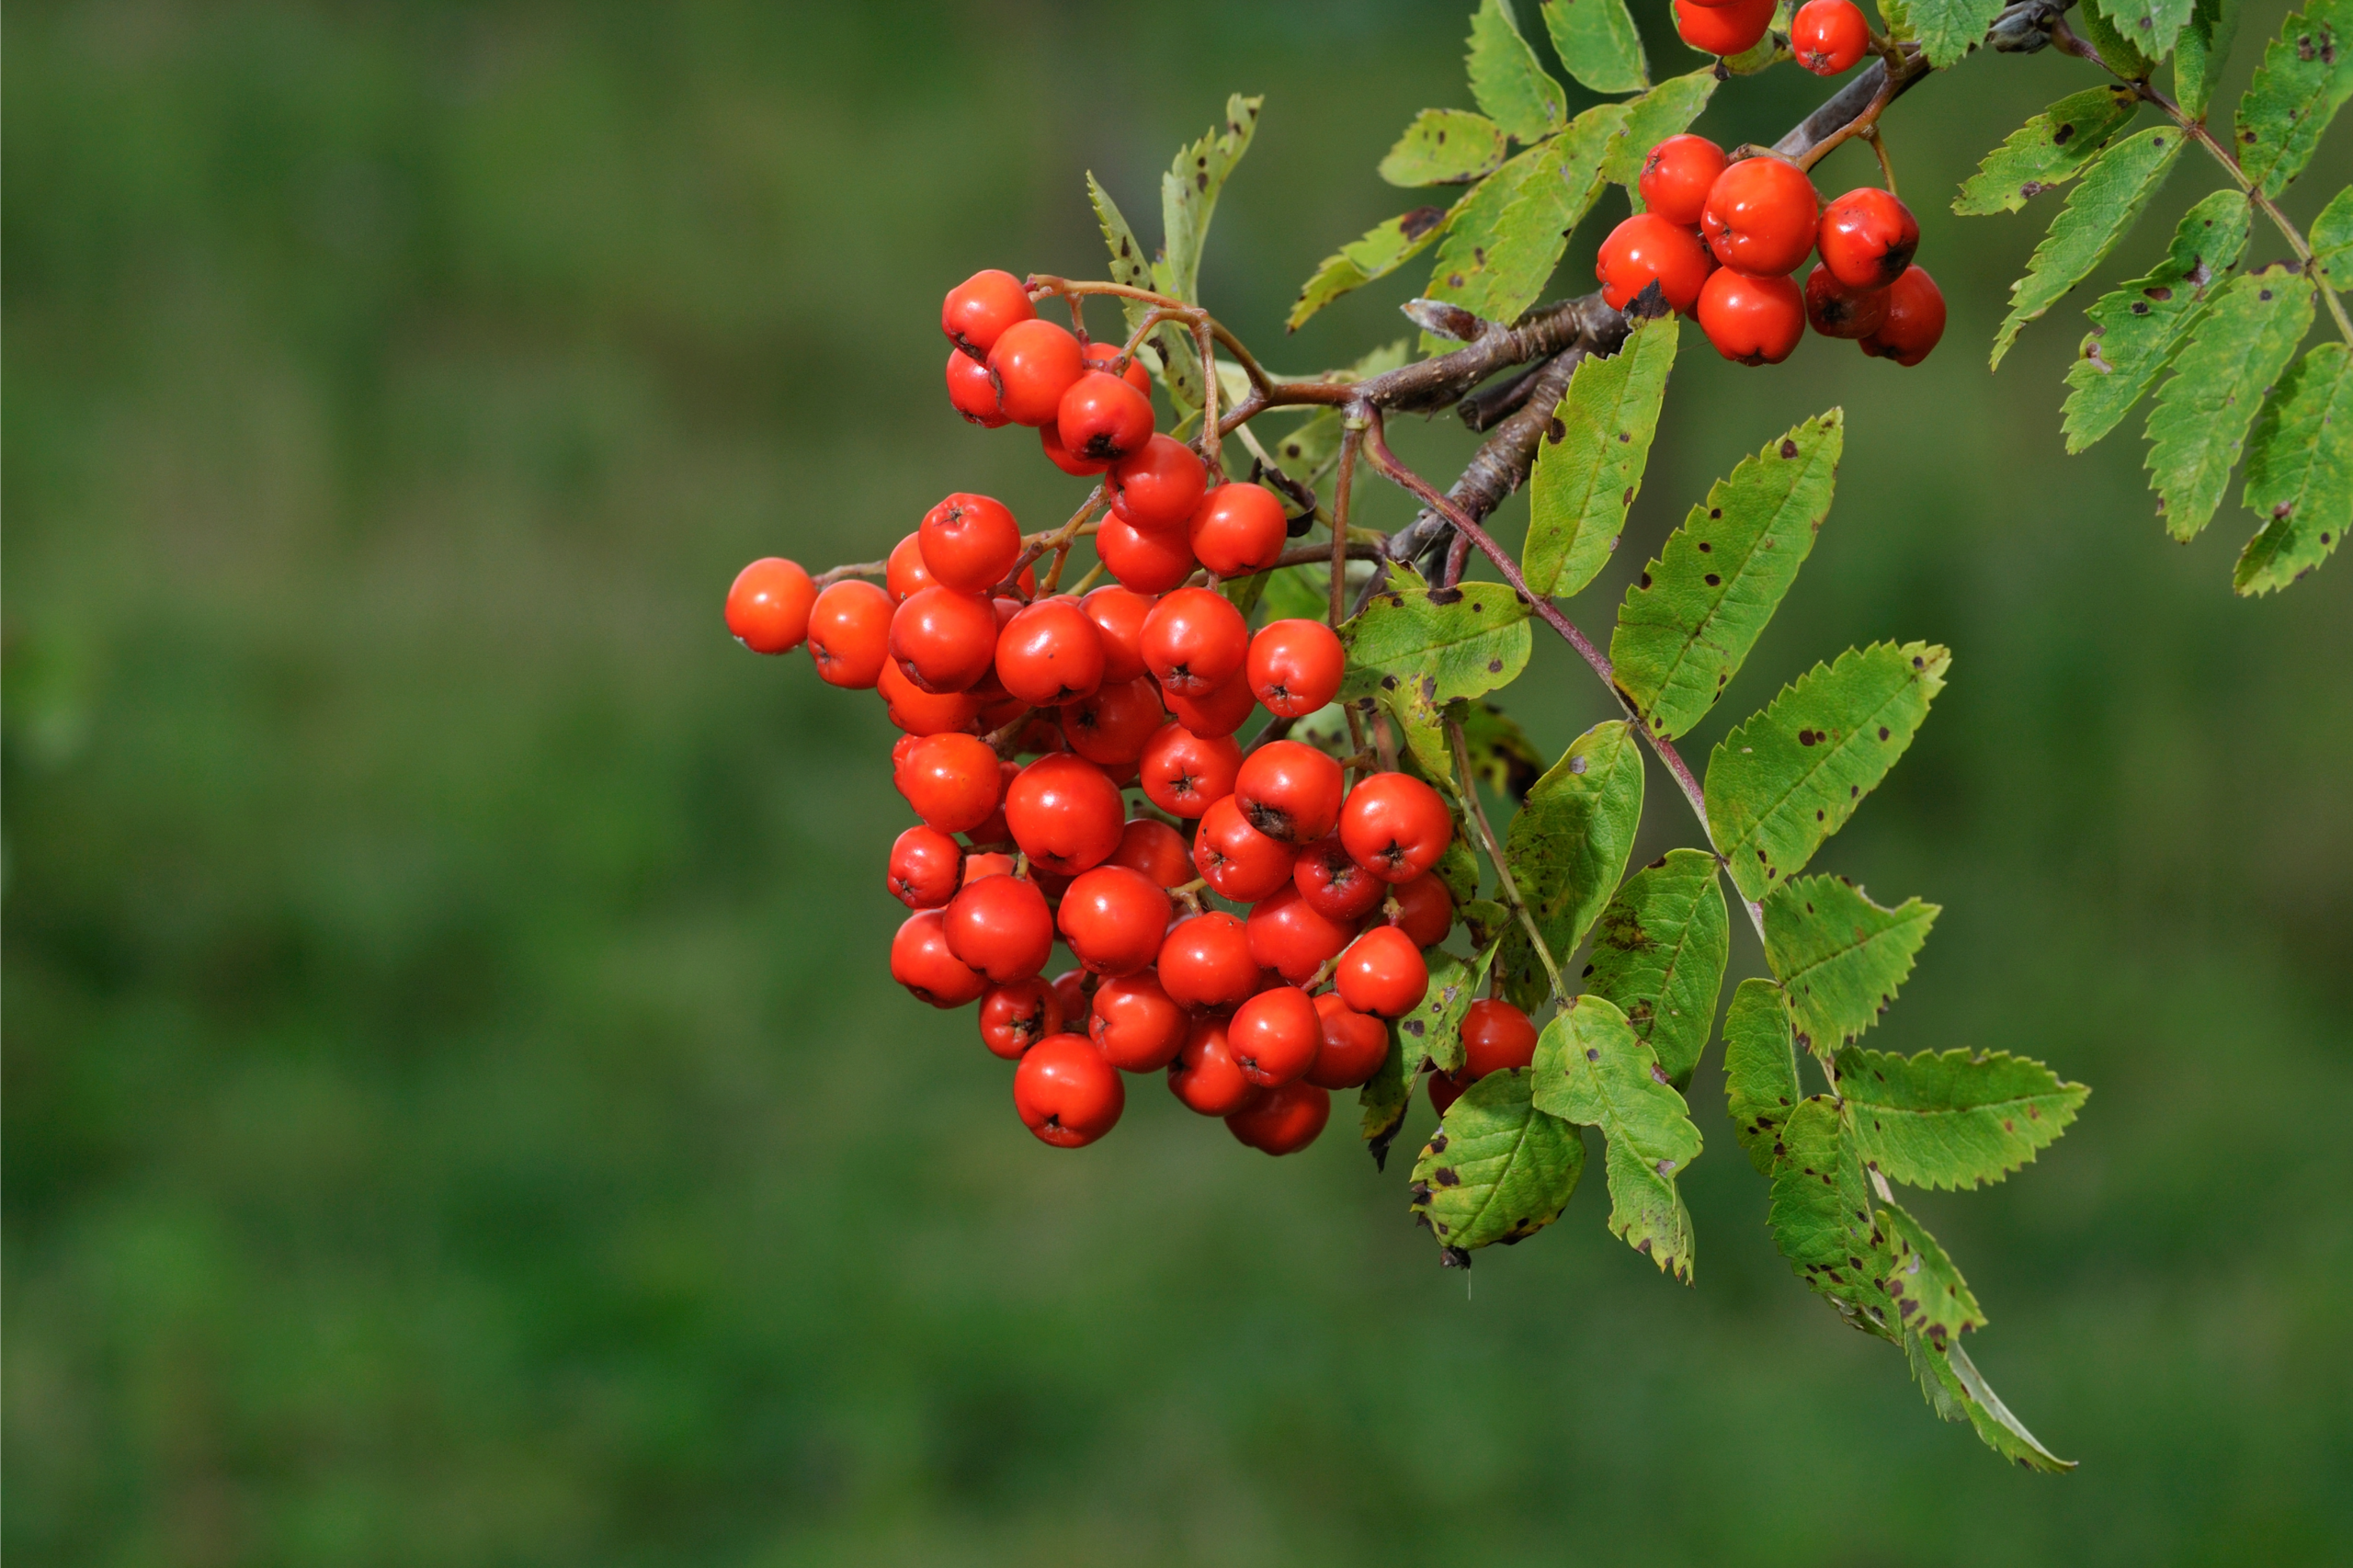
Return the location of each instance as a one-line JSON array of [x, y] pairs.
[[1343, 489], [833, 574]]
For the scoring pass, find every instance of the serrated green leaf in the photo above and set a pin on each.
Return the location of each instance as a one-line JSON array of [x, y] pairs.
[[2200, 55], [1953, 1118], [1513, 89], [1592, 1069], [1659, 951], [1840, 958], [2299, 471], [1502, 756], [1568, 847], [1823, 1217], [2136, 330], [2306, 75], [1435, 1026], [1589, 463], [1663, 111], [1189, 193], [1949, 29], [1685, 628], [1931, 1298], [2151, 25], [1385, 248], [2099, 210], [1958, 1392], [1171, 352], [2112, 46], [1789, 777], [1444, 146], [1495, 268], [1760, 1070], [2331, 237], [2199, 423], [1385, 1096], [1416, 657], [1895, 19], [1497, 1169], [2047, 151], [1597, 42]]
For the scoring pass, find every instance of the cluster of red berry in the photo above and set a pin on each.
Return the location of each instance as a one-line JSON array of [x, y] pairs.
[[1828, 36]]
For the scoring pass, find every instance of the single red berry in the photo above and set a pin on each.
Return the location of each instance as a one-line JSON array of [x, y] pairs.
[[1648, 248], [927, 867], [1066, 1093], [1134, 1024], [977, 310], [1099, 356], [1219, 712], [1445, 1089], [944, 640], [1760, 216], [1294, 667], [1110, 727], [1143, 563], [1868, 238], [1194, 641], [1496, 1035], [1157, 487], [1829, 36], [1756, 321], [1354, 1045], [1114, 917], [1676, 175], [1236, 859], [1071, 989], [1395, 826], [1158, 850], [1102, 418], [992, 831], [971, 391], [920, 961], [1383, 972], [1425, 909], [1835, 311], [1274, 1036], [1334, 885], [984, 864], [1205, 1076], [1016, 1017], [849, 633], [952, 781], [1722, 30], [1034, 363], [921, 713], [1205, 961], [1284, 1120], [969, 542], [1915, 320], [1237, 529], [1185, 774], [767, 606], [1064, 813], [1293, 938], [906, 574], [1117, 614], [1289, 792], [1001, 927], [1050, 654], [1050, 441]]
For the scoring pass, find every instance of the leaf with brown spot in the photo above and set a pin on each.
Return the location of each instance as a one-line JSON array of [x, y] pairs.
[[1953, 1118], [1514, 1166]]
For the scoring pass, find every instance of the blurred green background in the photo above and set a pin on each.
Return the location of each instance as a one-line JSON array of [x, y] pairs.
[[456, 1110]]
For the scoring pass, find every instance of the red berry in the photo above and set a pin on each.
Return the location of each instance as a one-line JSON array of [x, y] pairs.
[[920, 961], [1496, 1035], [944, 640], [1868, 238], [1205, 1075], [1194, 641], [1915, 319], [1237, 529], [972, 392], [1756, 321], [921, 713], [1117, 614], [1143, 563], [927, 867], [1334, 885], [1050, 654], [984, 864], [952, 781], [1034, 363], [1066, 1091], [977, 310], [1099, 356], [1111, 727], [1383, 972], [1102, 418], [1284, 1120], [849, 633], [1291, 937], [1135, 1025], [1114, 918], [1001, 927], [1064, 813], [1732, 27], [1395, 826], [1156, 487], [1425, 909], [1018, 1016], [1220, 712], [1835, 311], [1071, 991], [1050, 440], [1158, 850], [1294, 667], [1647, 248], [1760, 216], [907, 576], [1205, 961], [1274, 1036], [1289, 792], [767, 606], [1676, 175], [1445, 1089], [1829, 36], [1236, 859], [1185, 774], [969, 542], [1354, 1045]]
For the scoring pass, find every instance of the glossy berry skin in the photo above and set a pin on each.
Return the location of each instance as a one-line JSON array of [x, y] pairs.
[[1114, 919], [1284, 1120], [1724, 29], [1219, 712], [1496, 1035], [1291, 937], [1756, 321], [1064, 813], [969, 542], [1647, 248], [1835, 311], [1110, 727], [1066, 1093], [1099, 356], [1237, 860], [1194, 641], [906, 575], [1050, 654], [944, 640], [952, 781], [1829, 36], [1205, 961], [849, 633], [1102, 418], [927, 867], [1238, 529], [1760, 216], [1868, 238], [1445, 1089], [1383, 972], [1157, 486], [1289, 792], [1354, 1045], [1205, 1076], [1395, 826], [1274, 1036], [1135, 1025], [920, 961], [1143, 563], [1185, 774], [1915, 320], [977, 310], [921, 713], [1117, 614], [1159, 851], [1050, 440], [972, 392], [1676, 175], [1071, 991], [1016, 1017], [1034, 363], [767, 606], [1294, 667], [1334, 885], [1001, 927], [1424, 910]]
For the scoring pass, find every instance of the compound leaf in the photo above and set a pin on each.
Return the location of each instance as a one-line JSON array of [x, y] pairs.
[[1822, 1217], [1931, 1298], [2107, 203], [2151, 25], [1497, 1169], [1658, 114], [1567, 846], [1385, 248], [1597, 42], [1444, 146], [1953, 1118], [2306, 75], [1592, 1069], [1589, 463], [1513, 89], [1385, 1096], [1435, 1025], [1496, 269], [1417, 656], [1188, 194], [2200, 422], [1949, 29], [1789, 777], [1659, 951], [2047, 151], [2299, 471], [1958, 1392], [1760, 1070], [2199, 55], [1684, 629], [1841, 957], [2136, 330]]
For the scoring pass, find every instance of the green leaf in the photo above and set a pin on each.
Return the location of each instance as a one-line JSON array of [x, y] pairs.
[[1663, 111], [2047, 151], [2112, 46], [1958, 1392], [1760, 1070], [1683, 630], [1444, 146], [2200, 422], [1949, 29], [1502, 756], [1511, 87], [1822, 1217], [1789, 777], [1896, 18], [1589, 464], [1931, 1298], [2331, 237], [1382, 250], [1952, 1118], [1385, 1096], [1593, 1069], [1497, 1169], [1495, 268], [1189, 193], [1597, 42], [1840, 957], [2198, 57], [2299, 471], [1568, 847], [1418, 657], [1659, 952], [2098, 213], [2136, 330], [1435, 1026], [2306, 73], [1171, 349], [2151, 25]]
